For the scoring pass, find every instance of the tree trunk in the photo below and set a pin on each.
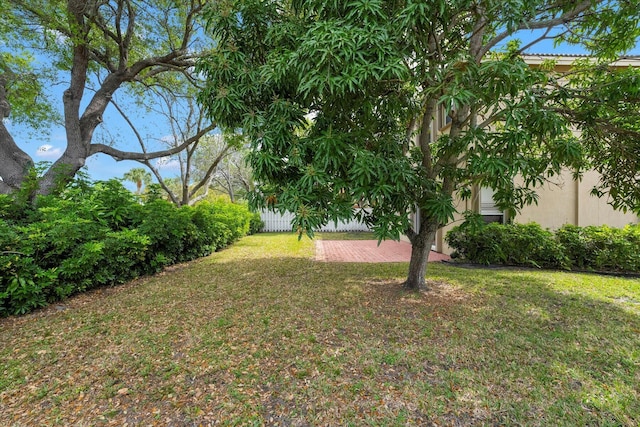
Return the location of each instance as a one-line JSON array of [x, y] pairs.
[[14, 163], [420, 248]]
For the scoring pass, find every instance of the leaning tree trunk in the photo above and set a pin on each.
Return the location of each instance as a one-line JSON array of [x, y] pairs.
[[14, 163], [420, 248]]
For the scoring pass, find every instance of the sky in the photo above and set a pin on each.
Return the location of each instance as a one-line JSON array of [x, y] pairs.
[[49, 147]]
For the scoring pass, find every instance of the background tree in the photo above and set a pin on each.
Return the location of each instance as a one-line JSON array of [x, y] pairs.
[[234, 175], [375, 75], [101, 46], [198, 163], [201, 151], [140, 177]]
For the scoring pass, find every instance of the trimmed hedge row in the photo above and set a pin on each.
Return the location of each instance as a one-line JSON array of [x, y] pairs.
[[95, 235], [571, 247]]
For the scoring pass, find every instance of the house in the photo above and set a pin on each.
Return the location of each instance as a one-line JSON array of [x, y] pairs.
[[561, 201]]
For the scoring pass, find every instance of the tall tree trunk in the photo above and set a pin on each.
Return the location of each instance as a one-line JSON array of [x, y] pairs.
[[420, 248], [14, 163]]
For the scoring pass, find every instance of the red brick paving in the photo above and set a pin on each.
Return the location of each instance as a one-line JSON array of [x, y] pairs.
[[368, 251]]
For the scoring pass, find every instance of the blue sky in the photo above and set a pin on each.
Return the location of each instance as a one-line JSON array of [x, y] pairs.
[[48, 147]]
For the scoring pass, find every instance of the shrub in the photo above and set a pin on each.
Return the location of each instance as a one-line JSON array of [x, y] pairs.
[[215, 234], [94, 235], [24, 285], [235, 217], [169, 230], [592, 248], [513, 244], [256, 224], [602, 248], [112, 205]]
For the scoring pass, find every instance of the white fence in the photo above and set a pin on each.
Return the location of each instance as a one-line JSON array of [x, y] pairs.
[[274, 221]]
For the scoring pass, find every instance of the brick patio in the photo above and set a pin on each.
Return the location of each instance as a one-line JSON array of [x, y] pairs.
[[367, 251]]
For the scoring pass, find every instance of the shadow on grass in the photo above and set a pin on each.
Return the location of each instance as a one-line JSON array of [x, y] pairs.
[[513, 346]]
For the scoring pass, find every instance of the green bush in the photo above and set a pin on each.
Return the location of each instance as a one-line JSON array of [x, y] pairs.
[[592, 248], [513, 244], [256, 224], [602, 248], [24, 285], [235, 217], [215, 234], [170, 231], [95, 235]]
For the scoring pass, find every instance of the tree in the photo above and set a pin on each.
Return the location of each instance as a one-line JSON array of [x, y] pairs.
[[375, 75], [198, 162], [191, 132], [140, 177], [103, 46], [234, 176]]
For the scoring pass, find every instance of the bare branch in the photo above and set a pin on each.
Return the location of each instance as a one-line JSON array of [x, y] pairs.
[[164, 186], [212, 168], [536, 25], [131, 125], [119, 155]]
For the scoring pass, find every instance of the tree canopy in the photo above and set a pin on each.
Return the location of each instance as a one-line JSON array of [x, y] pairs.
[[341, 101], [97, 48]]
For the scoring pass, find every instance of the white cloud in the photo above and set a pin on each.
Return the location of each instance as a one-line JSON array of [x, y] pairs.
[[167, 163], [49, 152]]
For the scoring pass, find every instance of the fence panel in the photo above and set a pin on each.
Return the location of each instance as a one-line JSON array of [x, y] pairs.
[[274, 221]]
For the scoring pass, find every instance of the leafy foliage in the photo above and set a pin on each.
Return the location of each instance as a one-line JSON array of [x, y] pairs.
[[340, 101], [256, 224], [98, 49], [571, 247], [513, 244], [602, 248], [95, 235]]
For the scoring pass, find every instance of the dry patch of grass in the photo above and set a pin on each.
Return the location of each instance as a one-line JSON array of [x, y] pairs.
[[260, 334], [346, 235]]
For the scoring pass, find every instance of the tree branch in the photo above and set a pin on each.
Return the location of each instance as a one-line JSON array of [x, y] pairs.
[[536, 25], [119, 155], [212, 168], [164, 186]]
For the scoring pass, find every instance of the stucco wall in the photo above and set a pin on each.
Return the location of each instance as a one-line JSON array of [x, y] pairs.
[[564, 201], [570, 202]]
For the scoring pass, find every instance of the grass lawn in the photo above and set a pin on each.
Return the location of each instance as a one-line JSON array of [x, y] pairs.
[[260, 334], [346, 235]]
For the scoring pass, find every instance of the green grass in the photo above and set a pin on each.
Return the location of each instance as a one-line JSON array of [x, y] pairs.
[[346, 235], [261, 334]]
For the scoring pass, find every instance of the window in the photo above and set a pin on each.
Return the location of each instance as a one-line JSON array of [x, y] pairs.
[[443, 117], [488, 209]]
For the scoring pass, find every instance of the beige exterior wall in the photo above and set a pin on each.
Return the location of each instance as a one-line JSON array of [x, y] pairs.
[[570, 202], [562, 201], [594, 211], [557, 204]]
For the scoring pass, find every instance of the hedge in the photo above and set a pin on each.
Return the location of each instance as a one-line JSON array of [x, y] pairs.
[[583, 248], [100, 234]]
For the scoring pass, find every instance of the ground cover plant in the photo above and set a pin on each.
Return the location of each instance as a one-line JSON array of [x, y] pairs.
[[261, 334]]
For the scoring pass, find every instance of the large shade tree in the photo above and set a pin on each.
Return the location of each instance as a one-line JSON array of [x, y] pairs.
[[373, 75], [97, 47]]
